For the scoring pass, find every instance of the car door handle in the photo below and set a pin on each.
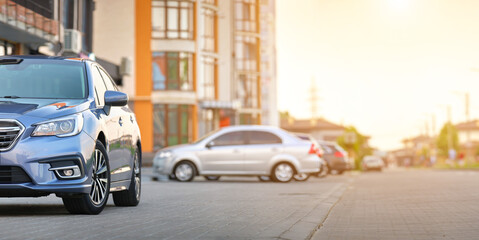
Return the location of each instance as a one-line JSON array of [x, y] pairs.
[[120, 122], [274, 149], [236, 151]]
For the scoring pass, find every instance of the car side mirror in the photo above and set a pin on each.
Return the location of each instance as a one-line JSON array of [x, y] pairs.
[[114, 99], [210, 144]]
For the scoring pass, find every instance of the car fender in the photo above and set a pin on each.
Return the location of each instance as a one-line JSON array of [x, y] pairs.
[[284, 158], [187, 157]]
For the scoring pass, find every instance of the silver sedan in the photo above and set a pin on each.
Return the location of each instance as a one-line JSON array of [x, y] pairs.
[[239, 151]]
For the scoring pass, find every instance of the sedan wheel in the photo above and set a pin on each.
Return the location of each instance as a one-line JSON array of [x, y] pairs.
[[301, 177], [283, 172], [212, 178], [95, 201], [185, 172]]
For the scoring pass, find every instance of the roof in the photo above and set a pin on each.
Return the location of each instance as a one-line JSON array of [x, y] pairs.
[[309, 125], [42, 57], [470, 125]]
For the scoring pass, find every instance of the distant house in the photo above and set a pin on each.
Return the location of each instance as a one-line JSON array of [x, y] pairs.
[[320, 129], [468, 132]]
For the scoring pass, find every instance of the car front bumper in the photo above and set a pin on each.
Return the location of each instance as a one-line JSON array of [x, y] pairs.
[[35, 156]]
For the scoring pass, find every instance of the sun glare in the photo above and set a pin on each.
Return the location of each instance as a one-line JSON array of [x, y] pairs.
[[398, 4]]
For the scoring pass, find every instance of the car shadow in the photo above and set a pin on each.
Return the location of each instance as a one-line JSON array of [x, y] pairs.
[[24, 210], [21, 210]]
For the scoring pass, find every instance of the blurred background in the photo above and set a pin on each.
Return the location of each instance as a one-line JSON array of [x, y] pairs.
[[392, 78]]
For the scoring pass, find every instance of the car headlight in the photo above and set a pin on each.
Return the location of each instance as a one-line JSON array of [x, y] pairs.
[[60, 127], [164, 154]]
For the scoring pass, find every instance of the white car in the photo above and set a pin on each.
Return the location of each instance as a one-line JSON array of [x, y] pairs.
[[246, 150], [372, 163]]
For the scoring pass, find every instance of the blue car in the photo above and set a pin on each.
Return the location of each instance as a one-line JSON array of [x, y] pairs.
[[66, 129]]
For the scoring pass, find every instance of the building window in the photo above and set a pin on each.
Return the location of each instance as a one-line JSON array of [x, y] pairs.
[[172, 71], [172, 124], [207, 121], [172, 19], [7, 48], [206, 81], [211, 2], [208, 33], [245, 15], [247, 90], [246, 48]]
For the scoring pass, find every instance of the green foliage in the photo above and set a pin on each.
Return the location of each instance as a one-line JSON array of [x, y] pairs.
[[355, 144], [442, 139], [284, 115]]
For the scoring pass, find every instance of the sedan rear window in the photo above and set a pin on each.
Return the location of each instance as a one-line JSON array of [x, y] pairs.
[[37, 78]]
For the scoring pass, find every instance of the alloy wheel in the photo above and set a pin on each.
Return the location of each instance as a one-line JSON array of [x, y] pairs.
[[99, 183], [284, 172], [184, 172]]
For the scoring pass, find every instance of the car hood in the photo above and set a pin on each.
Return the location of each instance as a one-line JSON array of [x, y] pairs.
[[43, 108], [180, 148]]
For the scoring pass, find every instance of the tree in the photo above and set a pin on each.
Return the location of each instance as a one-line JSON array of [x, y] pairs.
[[355, 144], [447, 131]]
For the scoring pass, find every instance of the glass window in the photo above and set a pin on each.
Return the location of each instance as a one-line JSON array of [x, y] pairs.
[[34, 78], [259, 137], [172, 124], [108, 81], [232, 138], [172, 71], [245, 15], [247, 90], [172, 19], [208, 33], [99, 84], [206, 80]]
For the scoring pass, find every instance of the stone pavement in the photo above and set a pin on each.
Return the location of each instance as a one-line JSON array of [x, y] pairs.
[[233, 208], [407, 204]]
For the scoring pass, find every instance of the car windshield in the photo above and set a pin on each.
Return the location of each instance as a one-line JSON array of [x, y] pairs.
[[205, 136], [37, 78]]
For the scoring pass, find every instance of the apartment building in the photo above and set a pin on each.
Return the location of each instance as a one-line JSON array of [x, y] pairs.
[[189, 66]]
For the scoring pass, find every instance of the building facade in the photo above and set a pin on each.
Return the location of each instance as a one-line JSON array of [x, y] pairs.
[[189, 66]]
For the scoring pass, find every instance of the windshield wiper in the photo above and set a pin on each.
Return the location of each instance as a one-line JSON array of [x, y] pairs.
[[13, 96], [7, 61]]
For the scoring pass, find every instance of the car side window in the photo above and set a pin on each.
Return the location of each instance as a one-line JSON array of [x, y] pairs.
[[99, 85], [231, 138], [108, 81], [327, 149], [260, 137]]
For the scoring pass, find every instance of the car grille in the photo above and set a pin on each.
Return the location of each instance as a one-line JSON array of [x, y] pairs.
[[9, 175], [10, 130]]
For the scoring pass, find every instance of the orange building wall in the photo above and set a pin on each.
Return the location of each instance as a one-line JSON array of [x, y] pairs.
[[143, 105]]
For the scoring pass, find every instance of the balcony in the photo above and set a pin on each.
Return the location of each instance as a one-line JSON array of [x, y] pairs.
[[26, 21]]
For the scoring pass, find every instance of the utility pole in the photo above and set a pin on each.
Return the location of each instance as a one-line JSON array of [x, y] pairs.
[[314, 101]]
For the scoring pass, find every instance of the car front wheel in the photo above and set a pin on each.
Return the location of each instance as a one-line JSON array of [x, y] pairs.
[[185, 171], [95, 201]]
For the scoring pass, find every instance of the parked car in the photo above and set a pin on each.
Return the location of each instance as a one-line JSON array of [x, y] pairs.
[[239, 151], [335, 156], [323, 166], [66, 129], [372, 163]]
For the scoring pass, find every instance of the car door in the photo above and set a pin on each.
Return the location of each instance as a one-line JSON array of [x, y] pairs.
[[261, 148], [113, 127], [223, 155], [125, 120]]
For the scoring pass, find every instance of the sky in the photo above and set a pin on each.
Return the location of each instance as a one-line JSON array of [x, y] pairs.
[[387, 67]]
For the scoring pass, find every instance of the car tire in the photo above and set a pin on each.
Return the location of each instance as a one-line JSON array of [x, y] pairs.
[[212, 178], [264, 178], [282, 172], [184, 171], [95, 201], [301, 177], [132, 196]]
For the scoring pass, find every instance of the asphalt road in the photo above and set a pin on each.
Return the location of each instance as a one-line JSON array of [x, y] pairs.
[[395, 204]]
